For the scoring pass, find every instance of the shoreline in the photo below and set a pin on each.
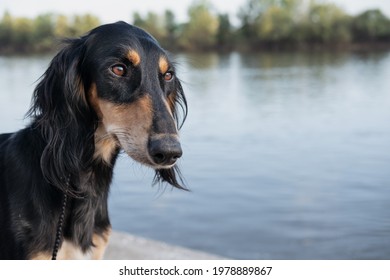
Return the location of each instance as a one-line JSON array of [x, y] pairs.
[[276, 47], [125, 246]]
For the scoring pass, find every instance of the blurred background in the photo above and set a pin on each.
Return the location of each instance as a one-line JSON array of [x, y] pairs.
[[287, 142]]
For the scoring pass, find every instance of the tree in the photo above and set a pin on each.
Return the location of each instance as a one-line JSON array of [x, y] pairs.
[[249, 14], [43, 32], [201, 30], [371, 25], [275, 25], [62, 27], [170, 25], [6, 31], [153, 23], [225, 32], [265, 21], [327, 23], [83, 23], [22, 34]]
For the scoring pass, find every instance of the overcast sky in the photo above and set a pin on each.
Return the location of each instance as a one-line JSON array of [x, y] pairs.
[[114, 10]]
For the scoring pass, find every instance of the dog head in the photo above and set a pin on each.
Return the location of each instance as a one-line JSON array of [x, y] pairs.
[[114, 88]]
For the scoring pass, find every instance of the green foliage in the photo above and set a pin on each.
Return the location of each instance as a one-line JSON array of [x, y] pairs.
[[225, 34], [20, 34], [154, 23], [269, 21], [371, 25], [275, 25], [327, 23], [163, 27], [82, 24], [294, 22], [43, 32], [171, 26], [16, 33], [262, 23], [201, 30]]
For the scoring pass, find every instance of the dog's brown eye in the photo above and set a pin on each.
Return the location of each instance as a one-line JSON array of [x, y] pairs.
[[168, 76], [119, 70]]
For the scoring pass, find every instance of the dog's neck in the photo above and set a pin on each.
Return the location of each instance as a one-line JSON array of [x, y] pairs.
[[89, 215], [90, 212]]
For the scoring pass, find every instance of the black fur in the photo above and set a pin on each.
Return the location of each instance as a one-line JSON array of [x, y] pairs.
[[60, 143]]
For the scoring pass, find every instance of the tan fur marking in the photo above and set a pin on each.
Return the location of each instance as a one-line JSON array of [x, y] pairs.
[[163, 64], [100, 242], [171, 102], [134, 57], [93, 100], [81, 90], [125, 125], [105, 144], [41, 256], [130, 124], [69, 251], [126, 115]]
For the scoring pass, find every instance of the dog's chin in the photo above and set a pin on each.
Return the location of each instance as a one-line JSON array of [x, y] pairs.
[[147, 161], [157, 166], [163, 173]]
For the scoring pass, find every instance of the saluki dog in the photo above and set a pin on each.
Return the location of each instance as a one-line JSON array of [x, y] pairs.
[[114, 89]]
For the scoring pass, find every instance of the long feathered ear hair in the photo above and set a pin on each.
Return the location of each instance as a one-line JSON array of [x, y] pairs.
[[177, 101], [60, 110]]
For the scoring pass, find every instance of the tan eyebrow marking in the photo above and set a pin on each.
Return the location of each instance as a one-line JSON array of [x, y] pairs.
[[163, 64], [134, 57]]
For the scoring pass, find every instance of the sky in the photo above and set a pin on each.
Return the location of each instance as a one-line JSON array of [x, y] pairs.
[[114, 10]]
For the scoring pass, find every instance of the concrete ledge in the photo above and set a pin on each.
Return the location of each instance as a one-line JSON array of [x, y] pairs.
[[125, 246]]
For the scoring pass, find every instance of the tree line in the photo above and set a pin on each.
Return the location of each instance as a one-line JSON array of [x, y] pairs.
[[261, 24]]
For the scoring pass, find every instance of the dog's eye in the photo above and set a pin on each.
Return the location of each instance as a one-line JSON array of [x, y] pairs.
[[168, 76], [119, 70]]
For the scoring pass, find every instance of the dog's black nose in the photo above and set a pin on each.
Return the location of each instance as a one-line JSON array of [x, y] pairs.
[[165, 150]]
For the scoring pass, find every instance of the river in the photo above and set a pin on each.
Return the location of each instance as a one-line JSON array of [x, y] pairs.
[[287, 156]]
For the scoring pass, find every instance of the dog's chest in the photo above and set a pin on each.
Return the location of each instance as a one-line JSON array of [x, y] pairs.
[[69, 251]]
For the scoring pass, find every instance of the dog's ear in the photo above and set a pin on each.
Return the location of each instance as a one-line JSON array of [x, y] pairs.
[[178, 100], [60, 109]]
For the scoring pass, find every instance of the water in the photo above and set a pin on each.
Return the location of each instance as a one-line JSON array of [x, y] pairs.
[[287, 156]]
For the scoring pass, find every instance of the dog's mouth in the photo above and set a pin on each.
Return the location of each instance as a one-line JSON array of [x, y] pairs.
[[156, 162], [158, 152]]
